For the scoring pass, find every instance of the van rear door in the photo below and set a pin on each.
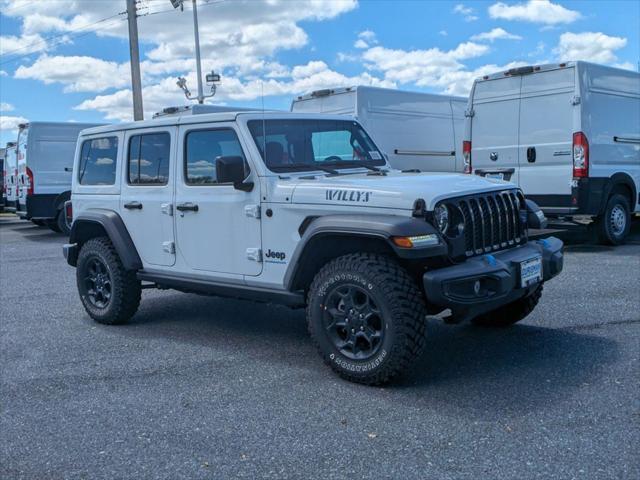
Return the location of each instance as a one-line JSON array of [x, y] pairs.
[[494, 127], [546, 133]]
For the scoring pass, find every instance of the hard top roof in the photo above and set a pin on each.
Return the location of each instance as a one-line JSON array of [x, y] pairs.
[[207, 118]]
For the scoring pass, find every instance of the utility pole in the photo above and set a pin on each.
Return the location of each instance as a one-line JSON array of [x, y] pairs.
[[136, 83], [198, 67]]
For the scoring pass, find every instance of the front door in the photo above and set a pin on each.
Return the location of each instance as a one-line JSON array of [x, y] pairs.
[[217, 226], [147, 193]]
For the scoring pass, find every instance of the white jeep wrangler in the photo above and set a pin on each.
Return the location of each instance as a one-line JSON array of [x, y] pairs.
[[301, 210]]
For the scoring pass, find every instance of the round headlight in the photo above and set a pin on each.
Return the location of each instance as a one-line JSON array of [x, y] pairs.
[[441, 215]]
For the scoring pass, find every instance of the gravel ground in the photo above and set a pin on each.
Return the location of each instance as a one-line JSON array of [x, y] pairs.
[[199, 387]]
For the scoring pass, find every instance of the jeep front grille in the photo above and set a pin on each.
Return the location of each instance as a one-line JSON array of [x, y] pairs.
[[491, 221]]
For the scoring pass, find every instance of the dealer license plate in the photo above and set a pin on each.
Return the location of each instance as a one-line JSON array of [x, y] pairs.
[[497, 176], [530, 271]]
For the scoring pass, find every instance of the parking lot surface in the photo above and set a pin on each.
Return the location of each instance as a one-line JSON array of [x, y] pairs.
[[203, 387]]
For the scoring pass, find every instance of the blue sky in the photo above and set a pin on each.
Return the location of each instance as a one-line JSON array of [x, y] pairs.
[[67, 60]]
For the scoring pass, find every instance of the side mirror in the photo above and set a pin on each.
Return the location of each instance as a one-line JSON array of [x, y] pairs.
[[231, 170]]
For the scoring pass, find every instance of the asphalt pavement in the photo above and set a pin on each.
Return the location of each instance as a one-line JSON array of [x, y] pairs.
[[202, 387]]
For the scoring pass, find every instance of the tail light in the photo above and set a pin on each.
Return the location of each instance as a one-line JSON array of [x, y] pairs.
[[30, 177], [580, 155], [68, 212], [466, 155]]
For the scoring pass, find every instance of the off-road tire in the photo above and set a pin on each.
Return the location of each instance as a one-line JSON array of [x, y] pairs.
[[605, 229], [511, 313], [125, 287], [61, 221], [401, 306]]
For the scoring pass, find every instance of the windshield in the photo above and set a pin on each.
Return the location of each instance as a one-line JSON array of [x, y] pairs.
[[299, 145]]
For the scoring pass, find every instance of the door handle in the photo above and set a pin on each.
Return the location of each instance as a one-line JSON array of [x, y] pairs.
[[133, 206], [531, 154], [187, 207]]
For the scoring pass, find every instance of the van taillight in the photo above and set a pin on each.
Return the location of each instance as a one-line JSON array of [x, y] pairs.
[[30, 177], [580, 155], [466, 155]]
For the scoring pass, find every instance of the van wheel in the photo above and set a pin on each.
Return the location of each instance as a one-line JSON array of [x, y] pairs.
[[110, 294], [511, 313], [53, 225], [614, 224], [61, 222], [366, 317]]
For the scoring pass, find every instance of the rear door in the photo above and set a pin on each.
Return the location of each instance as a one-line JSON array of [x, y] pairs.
[[494, 127], [546, 135], [146, 200]]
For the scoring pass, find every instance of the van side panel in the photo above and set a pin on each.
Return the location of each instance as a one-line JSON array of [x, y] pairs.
[[415, 130], [494, 126], [458, 108], [546, 136], [611, 121]]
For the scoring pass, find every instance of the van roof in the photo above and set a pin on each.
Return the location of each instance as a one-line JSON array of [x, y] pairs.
[[344, 90], [528, 69], [189, 119]]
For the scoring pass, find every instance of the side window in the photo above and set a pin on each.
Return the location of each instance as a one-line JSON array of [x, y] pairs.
[[149, 159], [202, 150], [98, 161]]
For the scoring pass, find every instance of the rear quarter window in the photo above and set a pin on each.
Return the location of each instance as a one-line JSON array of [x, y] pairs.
[[98, 158]]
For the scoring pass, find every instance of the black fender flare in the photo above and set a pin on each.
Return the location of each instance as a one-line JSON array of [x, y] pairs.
[[58, 203], [620, 178], [115, 229], [378, 226]]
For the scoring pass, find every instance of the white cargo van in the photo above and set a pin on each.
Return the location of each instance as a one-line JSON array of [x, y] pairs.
[[3, 197], [10, 177], [568, 134], [45, 162], [416, 130]]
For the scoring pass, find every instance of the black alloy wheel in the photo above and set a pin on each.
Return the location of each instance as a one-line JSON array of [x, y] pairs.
[[353, 322], [97, 283]]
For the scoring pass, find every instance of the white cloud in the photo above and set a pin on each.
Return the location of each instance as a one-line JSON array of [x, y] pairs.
[[303, 78], [443, 33], [77, 73], [535, 11], [3, 73], [240, 34], [496, 34], [10, 124], [467, 12], [365, 39], [592, 46], [6, 107], [625, 66], [427, 68], [13, 46]]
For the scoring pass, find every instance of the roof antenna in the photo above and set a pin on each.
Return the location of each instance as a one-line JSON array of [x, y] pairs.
[[264, 130]]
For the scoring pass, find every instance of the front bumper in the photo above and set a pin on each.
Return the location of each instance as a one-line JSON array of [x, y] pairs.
[[496, 275], [70, 252]]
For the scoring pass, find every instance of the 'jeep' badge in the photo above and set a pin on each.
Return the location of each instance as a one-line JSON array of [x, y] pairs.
[[354, 196]]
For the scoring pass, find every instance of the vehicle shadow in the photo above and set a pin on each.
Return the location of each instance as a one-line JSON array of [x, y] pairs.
[[470, 370]]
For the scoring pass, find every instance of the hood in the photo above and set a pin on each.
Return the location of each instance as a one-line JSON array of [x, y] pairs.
[[396, 190]]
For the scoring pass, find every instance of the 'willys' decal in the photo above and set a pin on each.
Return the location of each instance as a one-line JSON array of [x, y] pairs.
[[348, 195]]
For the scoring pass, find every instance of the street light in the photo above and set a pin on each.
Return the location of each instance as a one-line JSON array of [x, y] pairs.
[[212, 78]]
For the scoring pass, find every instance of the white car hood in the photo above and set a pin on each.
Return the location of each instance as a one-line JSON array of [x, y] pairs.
[[395, 190]]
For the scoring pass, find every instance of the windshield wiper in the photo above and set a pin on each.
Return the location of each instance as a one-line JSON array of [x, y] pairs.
[[357, 165], [298, 167]]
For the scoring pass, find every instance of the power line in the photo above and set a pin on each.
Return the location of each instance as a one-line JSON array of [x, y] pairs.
[[63, 34], [210, 2], [66, 36]]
